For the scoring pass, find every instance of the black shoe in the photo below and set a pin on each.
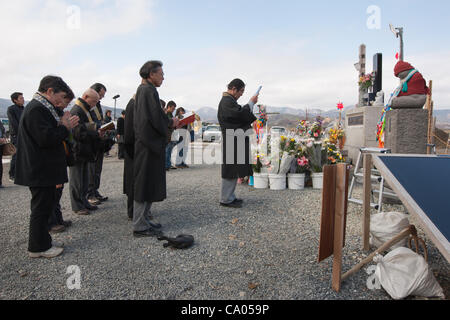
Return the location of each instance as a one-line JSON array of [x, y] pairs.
[[91, 208], [67, 223], [239, 201], [234, 204], [101, 198], [155, 225], [147, 233]]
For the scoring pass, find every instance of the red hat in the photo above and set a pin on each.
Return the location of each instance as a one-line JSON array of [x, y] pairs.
[[402, 66]]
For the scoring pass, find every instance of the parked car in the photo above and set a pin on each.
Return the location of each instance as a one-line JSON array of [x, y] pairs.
[[278, 131], [212, 133], [5, 123]]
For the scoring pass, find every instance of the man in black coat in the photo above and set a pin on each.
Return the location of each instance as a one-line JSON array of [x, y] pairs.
[[14, 114], [128, 138], [120, 130], [96, 168], [2, 142], [235, 122], [151, 135], [86, 145], [41, 160]]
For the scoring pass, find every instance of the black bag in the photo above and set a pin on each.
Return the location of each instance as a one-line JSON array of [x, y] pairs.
[[181, 242]]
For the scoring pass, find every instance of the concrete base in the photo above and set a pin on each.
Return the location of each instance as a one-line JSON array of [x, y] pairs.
[[361, 129], [406, 131]]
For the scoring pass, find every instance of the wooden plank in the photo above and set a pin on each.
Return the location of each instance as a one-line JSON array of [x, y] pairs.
[[413, 208], [326, 243], [339, 225], [405, 233], [367, 188]]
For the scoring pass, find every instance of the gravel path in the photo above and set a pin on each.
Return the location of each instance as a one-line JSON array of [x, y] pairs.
[[267, 250]]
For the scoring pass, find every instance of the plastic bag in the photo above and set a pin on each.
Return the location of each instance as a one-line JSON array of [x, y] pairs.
[[404, 273], [385, 226]]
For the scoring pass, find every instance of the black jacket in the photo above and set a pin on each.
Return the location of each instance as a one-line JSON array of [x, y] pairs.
[[233, 116], [41, 159], [128, 138], [86, 141], [120, 126], [150, 128], [14, 114]]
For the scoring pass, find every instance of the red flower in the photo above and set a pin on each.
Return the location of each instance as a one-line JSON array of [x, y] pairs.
[[340, 106]]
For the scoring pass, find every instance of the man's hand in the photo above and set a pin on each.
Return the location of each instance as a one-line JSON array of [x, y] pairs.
[[69, 121], [175, 123], [254, 99], [2, 141], [101, 133]]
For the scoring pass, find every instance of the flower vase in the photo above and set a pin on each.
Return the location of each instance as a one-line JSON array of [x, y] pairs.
[[296, 181], [261, 180], [277, 181], [317, 178]]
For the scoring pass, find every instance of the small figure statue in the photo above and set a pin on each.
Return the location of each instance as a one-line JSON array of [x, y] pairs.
[[379, 100], [412, 92]]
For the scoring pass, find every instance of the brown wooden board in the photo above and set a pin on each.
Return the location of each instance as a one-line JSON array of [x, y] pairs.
[[326, 243]]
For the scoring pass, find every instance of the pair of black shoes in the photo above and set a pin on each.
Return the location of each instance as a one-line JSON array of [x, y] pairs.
[[151, 232], [237, 203]]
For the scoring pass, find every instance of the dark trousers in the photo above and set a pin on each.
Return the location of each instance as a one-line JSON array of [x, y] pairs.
[[56, 217], [130, 205], [121, 154], [78, 185], [1, 164], [95, 174], [43, 201], [12, 165]]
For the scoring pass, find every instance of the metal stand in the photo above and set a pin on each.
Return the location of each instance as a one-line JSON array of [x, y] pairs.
[[375, 177]]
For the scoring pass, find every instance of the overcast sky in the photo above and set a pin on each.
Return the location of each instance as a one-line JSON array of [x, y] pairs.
[[302, 52]]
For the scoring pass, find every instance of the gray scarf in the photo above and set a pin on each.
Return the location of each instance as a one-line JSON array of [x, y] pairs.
[[48, 105]]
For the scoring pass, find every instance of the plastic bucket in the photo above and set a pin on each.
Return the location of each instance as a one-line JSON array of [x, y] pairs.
[[277, 182], [261, 181], [296, 181]]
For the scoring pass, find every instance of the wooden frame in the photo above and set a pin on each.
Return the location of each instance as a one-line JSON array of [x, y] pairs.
[[413, 208]]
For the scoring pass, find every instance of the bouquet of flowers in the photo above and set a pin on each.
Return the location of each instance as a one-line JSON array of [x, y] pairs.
[[316, 130], [334, 156], [303, 128], [335, 135], [366, 81], [316, 155]]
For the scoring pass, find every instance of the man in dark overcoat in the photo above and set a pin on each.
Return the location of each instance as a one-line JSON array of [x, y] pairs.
[[41, 160], [128, 137], [151, 135], [235, 122]]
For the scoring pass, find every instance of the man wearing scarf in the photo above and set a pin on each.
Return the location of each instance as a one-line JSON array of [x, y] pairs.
[[150, 125], [86, 145], [41, 160]]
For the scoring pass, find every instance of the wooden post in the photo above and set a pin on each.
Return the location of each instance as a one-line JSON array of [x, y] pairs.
[[367, 188], [339, 225], [429, 107], [405, 233]]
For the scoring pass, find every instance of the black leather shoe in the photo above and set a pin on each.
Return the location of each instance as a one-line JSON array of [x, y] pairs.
[[147, 233], [91, 208], [155, 225], [240, 201], [234, 204]]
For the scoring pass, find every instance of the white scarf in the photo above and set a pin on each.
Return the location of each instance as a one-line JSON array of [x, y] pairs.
[[38, 96]]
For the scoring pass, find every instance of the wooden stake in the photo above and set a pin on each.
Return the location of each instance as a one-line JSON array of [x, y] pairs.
[[405, 233], [339, 225], [429, 107], [367, 189]]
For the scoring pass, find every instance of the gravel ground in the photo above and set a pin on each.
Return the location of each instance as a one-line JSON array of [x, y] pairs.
[[267, 250]]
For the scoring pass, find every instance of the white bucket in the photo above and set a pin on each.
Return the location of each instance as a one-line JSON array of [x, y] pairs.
[[277, 181], [261, 180], [296, 181], [317, 179]]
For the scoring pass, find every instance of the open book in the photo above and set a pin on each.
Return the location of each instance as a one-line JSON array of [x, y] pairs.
[[108, 126], [187, 120]]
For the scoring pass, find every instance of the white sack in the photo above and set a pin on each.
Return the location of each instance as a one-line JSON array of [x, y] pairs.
[[385, 226], [404, 273]]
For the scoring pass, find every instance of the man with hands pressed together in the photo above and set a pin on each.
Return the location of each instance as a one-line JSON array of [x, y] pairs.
[[233, 117], [41, 159]]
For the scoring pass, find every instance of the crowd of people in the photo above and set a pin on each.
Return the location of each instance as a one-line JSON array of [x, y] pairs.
[[50, 140]]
